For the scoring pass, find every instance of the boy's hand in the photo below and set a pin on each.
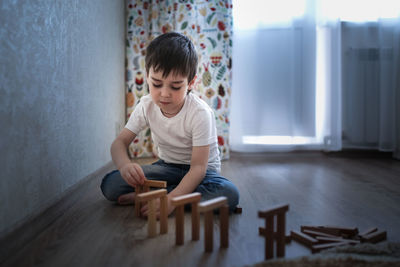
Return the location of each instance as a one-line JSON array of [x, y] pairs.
[[132, 174], [170, 208]]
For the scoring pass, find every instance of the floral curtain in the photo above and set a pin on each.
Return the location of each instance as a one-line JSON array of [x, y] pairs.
[[209, 25]]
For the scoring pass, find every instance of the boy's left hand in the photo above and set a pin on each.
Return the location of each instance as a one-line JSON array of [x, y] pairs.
[[170, 208]]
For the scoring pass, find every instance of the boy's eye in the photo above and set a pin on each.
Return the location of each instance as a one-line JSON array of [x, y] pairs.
[[175, 88], [157, 85]]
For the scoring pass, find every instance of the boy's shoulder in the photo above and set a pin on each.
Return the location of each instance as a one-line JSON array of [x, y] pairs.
[[146, 99], [198, 103], [146, 103]]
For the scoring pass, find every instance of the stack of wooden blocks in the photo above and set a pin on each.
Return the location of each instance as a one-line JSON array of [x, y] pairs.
[[143, 194], [318, 238]]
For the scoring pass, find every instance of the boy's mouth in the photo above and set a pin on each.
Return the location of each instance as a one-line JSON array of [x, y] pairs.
[[164, 103]]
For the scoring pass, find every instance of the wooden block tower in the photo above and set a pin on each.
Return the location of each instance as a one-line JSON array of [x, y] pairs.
[[151, 198], [208, 207], [145, 187], [268, 232], [179, 203]]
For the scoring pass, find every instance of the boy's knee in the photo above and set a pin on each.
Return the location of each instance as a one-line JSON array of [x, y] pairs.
[[232, 194], [106, 188]]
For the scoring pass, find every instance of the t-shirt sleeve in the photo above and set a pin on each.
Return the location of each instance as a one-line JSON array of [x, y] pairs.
[[203, 128], [137, 121]]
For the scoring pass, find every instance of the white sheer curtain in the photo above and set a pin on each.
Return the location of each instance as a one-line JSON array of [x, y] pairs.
[[322, 76]]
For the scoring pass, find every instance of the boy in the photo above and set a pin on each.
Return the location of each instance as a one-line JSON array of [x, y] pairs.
[[183, 131]]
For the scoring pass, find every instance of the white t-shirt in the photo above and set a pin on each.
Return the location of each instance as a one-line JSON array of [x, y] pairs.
[[174, 137]]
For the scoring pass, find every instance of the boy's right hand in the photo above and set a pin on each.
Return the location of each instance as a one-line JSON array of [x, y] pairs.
[[132, 173]]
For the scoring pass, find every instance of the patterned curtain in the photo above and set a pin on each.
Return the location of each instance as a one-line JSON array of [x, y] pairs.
[[209, 25]]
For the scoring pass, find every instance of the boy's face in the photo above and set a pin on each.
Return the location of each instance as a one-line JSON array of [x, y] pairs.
[[168, 93]]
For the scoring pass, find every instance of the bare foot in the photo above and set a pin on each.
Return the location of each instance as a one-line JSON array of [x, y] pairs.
[[127, 199]]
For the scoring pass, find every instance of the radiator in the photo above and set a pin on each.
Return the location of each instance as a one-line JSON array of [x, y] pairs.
[[366, 71]]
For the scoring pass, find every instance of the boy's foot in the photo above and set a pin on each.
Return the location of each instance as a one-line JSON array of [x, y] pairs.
[[127, 199]]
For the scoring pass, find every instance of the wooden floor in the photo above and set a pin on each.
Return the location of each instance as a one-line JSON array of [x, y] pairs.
[[321, 189]]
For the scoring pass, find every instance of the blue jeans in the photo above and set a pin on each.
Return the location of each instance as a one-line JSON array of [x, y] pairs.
[[213, 185]]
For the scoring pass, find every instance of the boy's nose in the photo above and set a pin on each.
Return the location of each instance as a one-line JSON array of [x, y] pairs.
[[164, 91]]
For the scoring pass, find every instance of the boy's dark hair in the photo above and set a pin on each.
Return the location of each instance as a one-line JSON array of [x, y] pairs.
[[174, 52]]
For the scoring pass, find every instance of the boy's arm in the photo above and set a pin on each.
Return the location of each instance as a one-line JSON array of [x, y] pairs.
[[132, 173], [198, 168]]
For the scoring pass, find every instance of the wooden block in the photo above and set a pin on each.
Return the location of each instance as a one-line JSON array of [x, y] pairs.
[[184, 199], [316, 233], [273, 211], [332, 230], [195, 221], [146, 188], [208, 231], [163, 215], [143, 197], [320, 229], [269, 237], [224, 225], [151, 219], [280, 241], [212, 204], [348, 231], [303, 238], [374, 237], [155, 183], [369, 231], [238, 210], [262, 232], [323, 239], [318, 248], [138, 190], [179, 224]]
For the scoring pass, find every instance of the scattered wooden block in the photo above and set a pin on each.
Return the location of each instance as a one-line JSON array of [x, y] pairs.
[[332, 230], [207, 207], [268, 232], [318, 248], [368, 231], [322, 239], [315, 233], [374, 237], [346, 231], [151, 197], [179, 203], [303, 238]]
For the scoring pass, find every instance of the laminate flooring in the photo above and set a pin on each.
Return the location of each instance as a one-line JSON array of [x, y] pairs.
[[321, 189]]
